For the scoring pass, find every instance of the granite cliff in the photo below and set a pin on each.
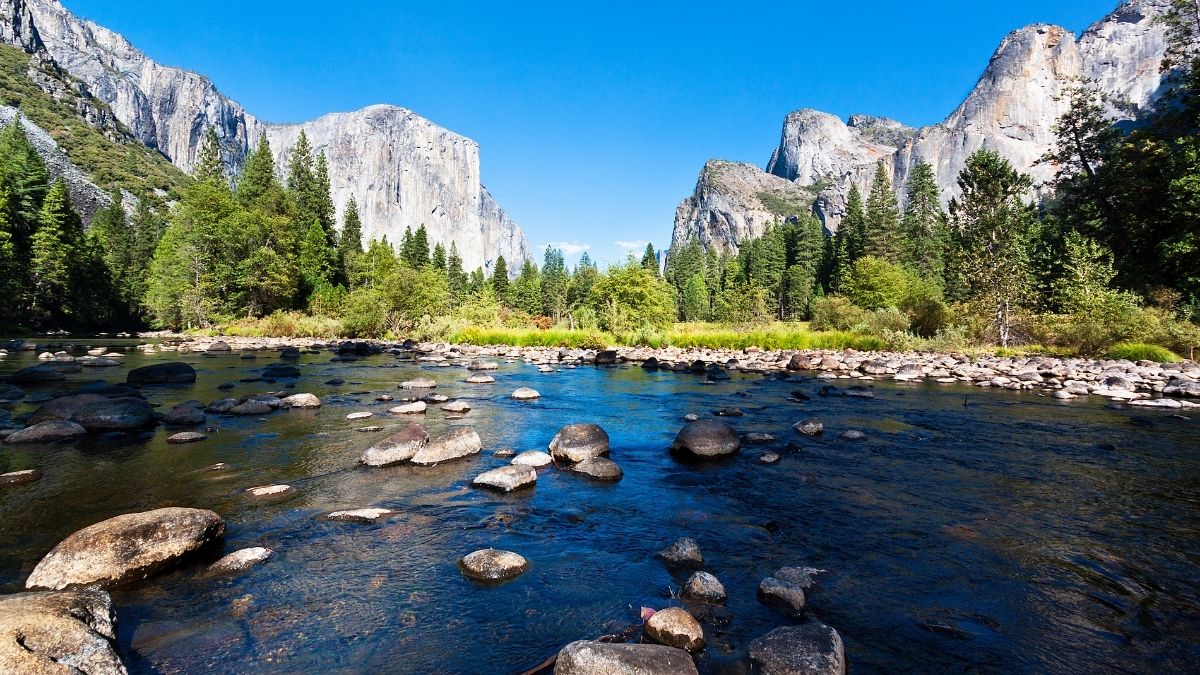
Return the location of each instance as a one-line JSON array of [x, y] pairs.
[[1012, 109]]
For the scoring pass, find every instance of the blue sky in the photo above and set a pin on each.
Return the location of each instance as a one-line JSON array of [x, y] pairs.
[[593, 119]]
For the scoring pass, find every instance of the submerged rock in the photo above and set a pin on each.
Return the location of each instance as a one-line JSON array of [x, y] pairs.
[[418, 383], [758, 438], [492, 564], [250, 408], [507, 478], [59, 632], [808, 649], [853, 435], [22, 477], [50, 431], [127, 548], [577, 442], [271, 492], [588, 657], [674, 627], [704, 587], [371, 515], [240, 560], [186, 437], [707, 439], [809, 427], [114, 414], [399, 447], [162, 373], [456, 443], [684, 553]]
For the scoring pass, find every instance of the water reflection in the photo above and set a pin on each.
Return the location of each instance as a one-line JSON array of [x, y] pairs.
[[970, 530]]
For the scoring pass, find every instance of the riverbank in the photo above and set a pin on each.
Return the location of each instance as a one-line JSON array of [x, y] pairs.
[[1140, 383]]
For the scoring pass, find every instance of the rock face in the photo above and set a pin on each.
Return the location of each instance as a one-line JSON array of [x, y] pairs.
[[402, 169], [587, 657], [1012, 110], [59, 632], [127, 548], [735, 202]]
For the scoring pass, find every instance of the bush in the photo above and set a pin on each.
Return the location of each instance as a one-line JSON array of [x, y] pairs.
[[881, 321], [364, 313], [1140, 351], [875, 283], [835, 312]]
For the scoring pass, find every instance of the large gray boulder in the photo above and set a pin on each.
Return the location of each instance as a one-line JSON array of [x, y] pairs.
[[127, 548], [493, 565], [808, 649], [39, 374], [675, 627], [454, 444], [707, 439], [587, 657], [63, 407], [114, 414], [399, 447], [577, 442], [50, 431], [63, 632], [507, 478], [174, 372]]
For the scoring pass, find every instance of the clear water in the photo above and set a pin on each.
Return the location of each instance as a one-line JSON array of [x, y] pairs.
[[973, 530]]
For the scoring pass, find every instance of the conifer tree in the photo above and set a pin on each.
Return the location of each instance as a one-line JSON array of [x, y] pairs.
[[554, 283], [500, 278], [695, 299], [302, 184], [323, 198], [456, 279], [924, 224], [52, 252], [258, 186], [883, 219], [438, 259], [10, 287], [350, 240], [317, 258], [525, 292], [650, 259], [209, 164], [26, 180], [853, 229]]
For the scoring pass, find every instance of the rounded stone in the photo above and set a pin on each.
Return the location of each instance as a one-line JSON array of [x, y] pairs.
[[162, 373], [769, 458], [186, 437], [492, 565], [59, 632], [588, 657], [114, 414], [127, 548], [525, 394], [414, 408], [577, 442], [240, 560], [21, 477], [361, 415], [674, 627], [454, 444], [853, 435], [507, 478], [704, 587], [370, 515], [535, 458], [304, 400], [809, 427], [599, 468], [707, 439], [398, 447], [684, 553], [808, 649], [480, 379], [418, 383], [50, 431], [271, 492], [457, 407]]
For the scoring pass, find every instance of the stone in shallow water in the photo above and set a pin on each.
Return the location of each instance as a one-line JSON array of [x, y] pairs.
[[599, 468], [127, 548], [414, 408], [162, 373], [370, 515], [304, 400], [507, 478], [808, 649], [768, 458], [587, 657], [456, 443], [492, 564], [853, 435], [186, 437], [362, 415], [481, 379], [271, 491], [674, 627], [435, 398], [398, 447], [684, 553], [50, 431], [535, 458], [250, 408], [457, 407], [525, 394], [706, 439], [21, 477], [418, 383], [758, 438], [809, 427], [240, 560], [577, 442], [704, 587], [59, 632]]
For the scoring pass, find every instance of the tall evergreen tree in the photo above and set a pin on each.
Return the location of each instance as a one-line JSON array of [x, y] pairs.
[[25, 179], [302, 184], [924, 224], [323, 198], [438, 259], [209, 164], [500, 279], [10, 281], [554, 284], [853, 229], [258, 186], [52, 255], [650, 259], [456, 279], [883, 218], [350, 239], [525, 292], [318, 260], [414, 248], [695, 304]]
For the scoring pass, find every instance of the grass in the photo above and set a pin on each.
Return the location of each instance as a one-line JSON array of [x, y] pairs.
[[698, 336], [1140, 351], [124, 162]]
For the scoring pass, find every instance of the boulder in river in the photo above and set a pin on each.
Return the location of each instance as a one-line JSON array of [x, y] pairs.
[[63, 407], [853, 435], [186, 437], [39, 374], [368, 515], [507, 478], [457, 407], [491, 565], [22, 477], [185, 415], [302, 400], [590, 657], [808, 649], [46, 633], [248, 408], [684, 553], [482, 365], [675, 627], [605, 357], [114, 414], [525, 394], [399, 447], [599, 468], [413, 408], [809, 427], [456, 443], [50, 431], [707, 439], [535, 458], [480, 379], [277, 492], [704, 587], [577, 442], [240, 560], [418, 383], [127, 548], [174, 372]]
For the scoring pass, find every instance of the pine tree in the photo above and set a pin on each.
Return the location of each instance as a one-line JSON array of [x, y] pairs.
[[52, 251], [420, 248], [25, 179], [883, 219], [258, 185], [438, 259], [924, 224], [317, 258], [579, 288], [10, 282], [115, 239], [695, 299], [500, 279], [853, 229], [650, 259], [209, 164], [525, 292], [554, 284], [302, 184], [323, 198], [456, 279], [350, 240]]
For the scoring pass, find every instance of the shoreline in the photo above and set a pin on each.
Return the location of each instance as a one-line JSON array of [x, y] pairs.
[[1142, 383]]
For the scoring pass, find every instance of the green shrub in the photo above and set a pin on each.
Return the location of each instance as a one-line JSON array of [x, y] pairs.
[[364, 313], [835, 312], [1140, 351], [881, 321], [875, 283]]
